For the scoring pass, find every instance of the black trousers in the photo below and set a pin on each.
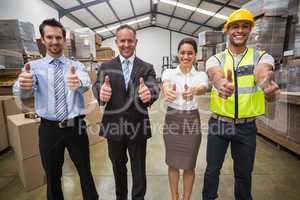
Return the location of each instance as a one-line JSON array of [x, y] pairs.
[[118, 155], [52, 142], [242, 138]]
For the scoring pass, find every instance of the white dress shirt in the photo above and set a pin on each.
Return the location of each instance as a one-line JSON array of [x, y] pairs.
[[192, 79]]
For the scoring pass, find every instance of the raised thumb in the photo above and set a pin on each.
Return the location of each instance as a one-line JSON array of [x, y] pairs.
[[72, 70], [142, 82], [186, 87], [229, 76], [106, 81], [27, 67], [174, 87]]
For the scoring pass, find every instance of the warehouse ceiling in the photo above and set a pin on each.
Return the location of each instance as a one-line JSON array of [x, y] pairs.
[[183, 16]]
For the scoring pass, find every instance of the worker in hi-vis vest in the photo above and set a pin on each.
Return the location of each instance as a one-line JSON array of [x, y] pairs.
[[242, 80]]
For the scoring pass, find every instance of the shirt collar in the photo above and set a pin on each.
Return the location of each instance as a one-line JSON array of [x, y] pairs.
[[179, 72], [240, 54], [131, 59], [50, 59]]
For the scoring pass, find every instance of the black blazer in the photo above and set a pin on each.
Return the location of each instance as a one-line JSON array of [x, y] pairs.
[[125, 115]]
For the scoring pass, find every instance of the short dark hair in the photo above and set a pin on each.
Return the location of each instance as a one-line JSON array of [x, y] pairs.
[[190, 41], [126, 26], [54, 23]]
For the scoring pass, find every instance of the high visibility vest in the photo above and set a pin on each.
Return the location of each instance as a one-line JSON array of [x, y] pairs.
[[248, 99]]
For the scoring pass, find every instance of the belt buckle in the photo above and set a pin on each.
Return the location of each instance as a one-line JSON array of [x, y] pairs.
[[62, 124]]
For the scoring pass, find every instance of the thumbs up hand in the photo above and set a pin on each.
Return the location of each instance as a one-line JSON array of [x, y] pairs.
[[105, 91], [26, 78], [170, 92], [187, 93], [73, 80], [270, 88], [144, 92], [226, 88]]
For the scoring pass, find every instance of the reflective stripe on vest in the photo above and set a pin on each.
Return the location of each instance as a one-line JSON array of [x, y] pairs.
[[250, 98]]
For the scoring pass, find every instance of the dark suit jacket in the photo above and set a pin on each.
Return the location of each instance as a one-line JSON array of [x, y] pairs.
[[125, 115]]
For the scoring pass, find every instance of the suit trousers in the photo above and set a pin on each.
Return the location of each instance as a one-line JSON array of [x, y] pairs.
[[242, 138], [118, 155], [52, 142]]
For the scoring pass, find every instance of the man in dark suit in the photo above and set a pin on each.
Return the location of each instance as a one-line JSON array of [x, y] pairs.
[[127, 86]]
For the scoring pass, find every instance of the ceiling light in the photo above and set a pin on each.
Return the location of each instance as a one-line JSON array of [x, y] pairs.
[[192, 8], [155, 1], [129, 23]]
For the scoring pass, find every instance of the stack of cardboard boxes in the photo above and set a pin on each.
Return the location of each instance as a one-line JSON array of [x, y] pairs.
[[23, 137], [297, 35], [93, 117], [85, 43], [276, 31], [69, 50], [207, 42], [18, 36], [3, 123], [271, 22], [11, 59], [9, 105], [7, 79], [268, 7]]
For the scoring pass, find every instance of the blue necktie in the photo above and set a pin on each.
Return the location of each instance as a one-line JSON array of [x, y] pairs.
[[59, 91], [126, 72]]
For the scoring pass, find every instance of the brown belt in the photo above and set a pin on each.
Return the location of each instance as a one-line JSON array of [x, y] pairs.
[[231, 120]]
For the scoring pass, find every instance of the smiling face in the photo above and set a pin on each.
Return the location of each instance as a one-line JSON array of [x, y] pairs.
[[126, 42], [186, 55], [238, 33], [53, 40]]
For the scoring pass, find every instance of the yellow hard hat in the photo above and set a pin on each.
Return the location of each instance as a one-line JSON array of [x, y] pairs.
[[239, 15]]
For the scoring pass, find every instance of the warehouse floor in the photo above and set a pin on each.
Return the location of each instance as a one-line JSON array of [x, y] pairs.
[[276, 175]]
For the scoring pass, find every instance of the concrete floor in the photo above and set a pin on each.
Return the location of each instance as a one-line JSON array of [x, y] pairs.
[[276, 175]]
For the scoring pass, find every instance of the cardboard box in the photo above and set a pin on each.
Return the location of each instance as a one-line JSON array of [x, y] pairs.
[[12, 106], [93, 117], [85, 43], [15, 105], [93, 134], [211, 38], [11, 59], [3, 123], [93, 75], [105, 53], [205, 52], [220, 47], [93, 110], [276, 117], [18, 36], [294, 125], [268, 7], [269, 35], [31, 172], [297, 40], [3, 130], [23, 135]]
